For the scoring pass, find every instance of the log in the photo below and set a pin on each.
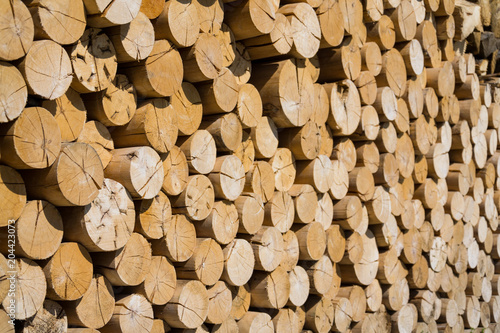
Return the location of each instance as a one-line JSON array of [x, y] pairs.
[[135, 167], [179, 242], [321, 275], [205, 265], [269, 290], [153, 216], [200, 151], [16, 17], [221, 224], [312, 240], [284, 168], [98, 137], [93, 60], [13, 190], [57, 186], [305, 202], [304, 142], [246, 151], [285, 81], [158, 75], [68, 272], [203, 60], [365, 271], [345, 107], [178, 22], [50, 318], [265, 138], [24, 142], [382, 33], [249, 105], [30, 289], [405, 319], [14, 92], [176, 170], [386, 104], [254, 322], [105, 14], [237, 272], [188, 108], [91, 225], [279, 211], [352, 12], [267, 245], [260, 180], [152, 124], [393, 73], [219, 303], [250, 213], [367, 87], [319, 314], [305, 27], [361, 183], [240, 302], [299, 286], [220, 95], [211, 14], [159, 283], [95, 308], [127, 266], [62, 24], [252, 18], [331, 23], [340, 63], [190, 295], [131, 313], [278, 42], [228, 177]]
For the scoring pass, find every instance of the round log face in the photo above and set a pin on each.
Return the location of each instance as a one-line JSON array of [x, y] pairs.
[[19, 30]]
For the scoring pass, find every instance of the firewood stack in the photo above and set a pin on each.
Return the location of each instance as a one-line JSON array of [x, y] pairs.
[[247, 166]]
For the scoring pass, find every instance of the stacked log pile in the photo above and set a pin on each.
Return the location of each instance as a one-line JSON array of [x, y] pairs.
[[247, 166]]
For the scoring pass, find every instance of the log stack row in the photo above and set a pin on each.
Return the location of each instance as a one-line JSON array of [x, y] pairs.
[[246, 166]]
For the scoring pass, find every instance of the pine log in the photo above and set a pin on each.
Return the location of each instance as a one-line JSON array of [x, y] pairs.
[[228, 177], [304, 142], [179, 242], [131, 313], [237, 272], [222, 223], [110, 13], [252, 18], [190, 295], [284, 168], [178, 22], [206, 263], [152, 124], [340, 63], [188, 108], [305, 202], [159, 283], [95, 308], [211, 14], [16, 17], [250, 210], [219, 303], [285, 81], [265, 138], [158, 75], [200, 151], [30, 289], [94, 62], [260, 180], [279, 211], [269, 290], [299, 286], [14, 92], [254, 322], [382, 33]]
